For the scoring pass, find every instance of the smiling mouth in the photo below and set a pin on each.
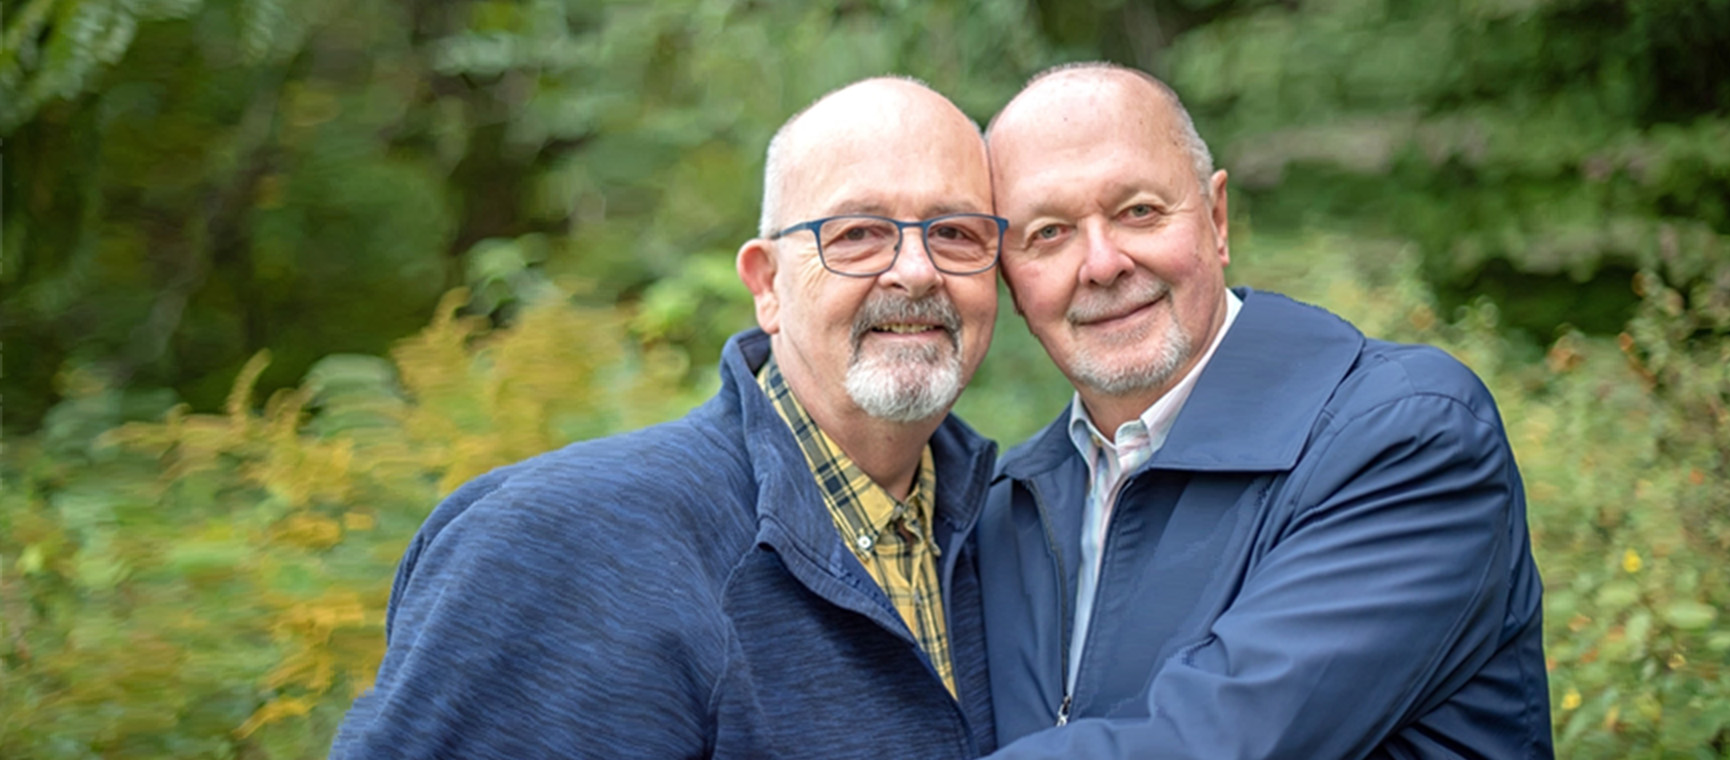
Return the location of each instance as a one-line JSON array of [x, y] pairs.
[[907, 322], [1116, 316], [1113, 318], [904, 329]]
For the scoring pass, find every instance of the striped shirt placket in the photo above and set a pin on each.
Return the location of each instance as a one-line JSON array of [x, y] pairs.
[[1111, 463]]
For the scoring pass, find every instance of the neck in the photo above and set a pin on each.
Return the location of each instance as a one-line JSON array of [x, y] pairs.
[[1108, 413], [889, 452]]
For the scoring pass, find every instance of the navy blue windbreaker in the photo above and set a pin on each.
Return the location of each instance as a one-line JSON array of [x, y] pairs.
[[1327, 559]]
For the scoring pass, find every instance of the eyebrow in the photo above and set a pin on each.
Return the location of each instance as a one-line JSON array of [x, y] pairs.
[[1116, 193], [1041, 209], [875, 208], [951, 208], [859, 207]]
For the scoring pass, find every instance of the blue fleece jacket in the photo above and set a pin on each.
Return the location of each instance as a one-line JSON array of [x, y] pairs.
[[675, 592]]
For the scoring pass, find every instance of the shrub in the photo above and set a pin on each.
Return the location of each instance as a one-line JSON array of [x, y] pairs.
[[213, 585]]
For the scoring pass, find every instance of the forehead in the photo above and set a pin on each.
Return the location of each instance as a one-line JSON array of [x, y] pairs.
[[906, 156], [1085, 135]]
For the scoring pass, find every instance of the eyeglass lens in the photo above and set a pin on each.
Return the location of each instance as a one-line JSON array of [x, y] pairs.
[[864, 244]]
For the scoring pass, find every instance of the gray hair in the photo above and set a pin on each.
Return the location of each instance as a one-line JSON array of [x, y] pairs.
[[1201, 159], [775, 172]]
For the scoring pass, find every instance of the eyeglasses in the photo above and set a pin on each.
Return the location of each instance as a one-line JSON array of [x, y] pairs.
[[861, 245]]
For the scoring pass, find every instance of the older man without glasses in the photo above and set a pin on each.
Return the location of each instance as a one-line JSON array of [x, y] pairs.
[[1253, 533]]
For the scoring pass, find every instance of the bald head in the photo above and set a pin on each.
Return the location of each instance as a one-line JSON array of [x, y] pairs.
[[876, 357], [878, 112], [1051, 95]]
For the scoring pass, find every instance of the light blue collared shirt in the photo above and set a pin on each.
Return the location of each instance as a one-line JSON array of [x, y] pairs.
[[1110, 462]]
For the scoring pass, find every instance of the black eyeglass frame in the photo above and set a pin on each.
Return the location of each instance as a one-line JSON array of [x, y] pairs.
[[924, 225]]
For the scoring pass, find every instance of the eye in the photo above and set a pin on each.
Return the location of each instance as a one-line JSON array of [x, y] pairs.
[[844, 230], [1048, 232], [948, 232], [1139, 211], [862, 233]]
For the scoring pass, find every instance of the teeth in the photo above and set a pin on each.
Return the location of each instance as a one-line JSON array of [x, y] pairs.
[[903, 329]]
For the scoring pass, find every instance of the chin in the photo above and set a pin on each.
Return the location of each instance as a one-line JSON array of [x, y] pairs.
[[1111, 373], [904, 393]]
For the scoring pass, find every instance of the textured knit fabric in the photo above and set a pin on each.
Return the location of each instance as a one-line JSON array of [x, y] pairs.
[[888, 535], [676, 592], [1327, 559]]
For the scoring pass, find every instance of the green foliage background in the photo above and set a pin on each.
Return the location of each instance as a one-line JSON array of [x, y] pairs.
[[278, 275]]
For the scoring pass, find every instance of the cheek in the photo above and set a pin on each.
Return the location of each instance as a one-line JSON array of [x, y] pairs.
[[1188, 252], [975, 296], [1040, 294], [1028, 279], [812, 293], [805, 281]]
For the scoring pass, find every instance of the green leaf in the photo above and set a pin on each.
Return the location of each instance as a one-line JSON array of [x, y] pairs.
[[1690, 615], [1617, 596]]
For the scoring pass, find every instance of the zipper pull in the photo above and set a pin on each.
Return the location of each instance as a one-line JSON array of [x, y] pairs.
[[1063, 711]]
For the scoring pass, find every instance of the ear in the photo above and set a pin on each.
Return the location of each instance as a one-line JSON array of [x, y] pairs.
[[1221, 224], [757, 266]]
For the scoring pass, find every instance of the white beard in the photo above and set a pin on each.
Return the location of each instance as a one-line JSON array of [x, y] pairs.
[[1098, 372], [905, 385]]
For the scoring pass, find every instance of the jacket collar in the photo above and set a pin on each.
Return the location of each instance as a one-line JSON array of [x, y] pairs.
[[962, 458], [1253, 406], [792, 519]]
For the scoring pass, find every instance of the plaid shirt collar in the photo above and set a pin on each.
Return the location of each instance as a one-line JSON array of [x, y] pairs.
[[864, 509], [891, 537]]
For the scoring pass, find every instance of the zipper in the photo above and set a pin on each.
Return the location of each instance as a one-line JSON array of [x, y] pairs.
[[1104, 553], [1098, 589], [1063, 615]]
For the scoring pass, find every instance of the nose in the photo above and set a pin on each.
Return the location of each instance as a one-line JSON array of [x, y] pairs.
[[913, 270], [1103, 261]]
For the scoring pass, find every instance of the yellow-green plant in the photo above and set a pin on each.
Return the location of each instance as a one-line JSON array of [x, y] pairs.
[[213, 585]]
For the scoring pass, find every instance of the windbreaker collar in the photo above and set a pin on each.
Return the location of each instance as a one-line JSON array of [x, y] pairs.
[[1255, 403]]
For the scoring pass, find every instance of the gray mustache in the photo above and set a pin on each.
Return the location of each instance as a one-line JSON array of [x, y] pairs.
[[1102, 303], [884, 309]]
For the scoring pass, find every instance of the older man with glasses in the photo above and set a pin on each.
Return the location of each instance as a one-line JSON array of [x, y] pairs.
[[781, 572]]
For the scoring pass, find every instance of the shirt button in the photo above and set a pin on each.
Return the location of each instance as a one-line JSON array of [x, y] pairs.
[[864, 543]]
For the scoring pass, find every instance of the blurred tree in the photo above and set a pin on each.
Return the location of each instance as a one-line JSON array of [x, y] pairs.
[[1539, 186], [223, 176], [1537, 152], [245, 175], [213, 585]]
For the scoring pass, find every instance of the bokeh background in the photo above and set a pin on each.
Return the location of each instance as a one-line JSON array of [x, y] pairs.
[[278, 274]]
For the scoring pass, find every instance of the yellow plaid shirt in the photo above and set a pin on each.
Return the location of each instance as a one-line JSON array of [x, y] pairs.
[[891, 538]]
